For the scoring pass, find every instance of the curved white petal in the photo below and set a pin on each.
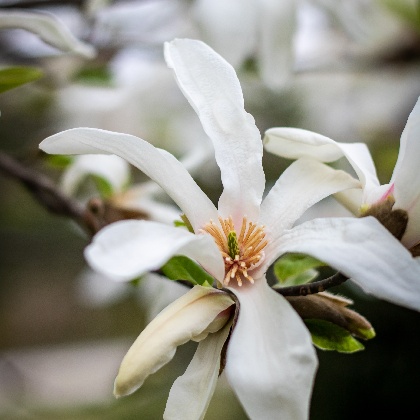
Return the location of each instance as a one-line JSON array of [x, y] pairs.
[[406, 176], [350, 199], [293, 143], [212, 88], [155, 292], [48, 27], [302, 184], [191, 393], [159, 165], [277, 25], [271, 362], [129, 248], [183, 320], [96, 290], [233, 20], [140, 198], [112, 168], [363, 250]]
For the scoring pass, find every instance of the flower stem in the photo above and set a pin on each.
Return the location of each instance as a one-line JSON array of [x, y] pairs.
[[315, 287]]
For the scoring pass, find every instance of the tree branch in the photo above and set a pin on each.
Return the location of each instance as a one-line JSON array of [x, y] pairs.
[[315, 287], [46, 193]]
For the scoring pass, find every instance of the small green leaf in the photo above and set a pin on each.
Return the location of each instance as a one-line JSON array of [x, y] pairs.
[[366, 334], [96, 76], [328, 336], [407, 10], [104, 187], [13, 77], [293, 269], [183, 268], [135, 282], [59, 161]]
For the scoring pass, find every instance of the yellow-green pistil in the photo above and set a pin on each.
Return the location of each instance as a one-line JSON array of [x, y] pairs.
[[240, 253]]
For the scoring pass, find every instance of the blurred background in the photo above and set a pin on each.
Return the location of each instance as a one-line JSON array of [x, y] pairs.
[[348, 69]]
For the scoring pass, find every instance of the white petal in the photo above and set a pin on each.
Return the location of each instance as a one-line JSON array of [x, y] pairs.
[[159, 165], [212, 88], [180, 322], [191, 393], [301, 185], [155, 293], [140, 197], [277, 25], [233, 20], [112, 168], [363, 250], [48, 27], [96, 290], [129, 248], [293, 143], [350, 199], [406, 177], [271, 362]]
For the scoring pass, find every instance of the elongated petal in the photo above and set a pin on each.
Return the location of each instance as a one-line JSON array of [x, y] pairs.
[[302, 184], [50, 29], [277, 25], [406, 176], [212, 88], [159, 165], [235, 20], [271, 363], [181, 321], [155, 293], [294, 143], [363, 250], [191, 393], [129, 248], [112, 168], [154, 210]]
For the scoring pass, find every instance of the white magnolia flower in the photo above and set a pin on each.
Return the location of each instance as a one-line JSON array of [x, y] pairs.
[[48, 27], [113, 169], [236, 29], [270, 360], [401, 193], [239, 30], [140, 200]]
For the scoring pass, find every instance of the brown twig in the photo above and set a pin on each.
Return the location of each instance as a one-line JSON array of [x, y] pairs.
[[50, 197], [40, 3], [47, 194], [315, 287]]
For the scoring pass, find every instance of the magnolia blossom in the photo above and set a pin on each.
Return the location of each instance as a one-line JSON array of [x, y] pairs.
[[125, 200], [236, 29], [396, 204], [270, 360], [48, 28]]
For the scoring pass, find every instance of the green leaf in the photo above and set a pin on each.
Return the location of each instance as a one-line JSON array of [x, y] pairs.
[[135, 282], [59, 161], [407, 10], [328, 336], [104, 187], [293, 269], [13, 77], [95, 76], [183, 268]]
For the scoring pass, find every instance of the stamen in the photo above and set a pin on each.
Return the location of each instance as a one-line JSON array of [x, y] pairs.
[[242, 253]]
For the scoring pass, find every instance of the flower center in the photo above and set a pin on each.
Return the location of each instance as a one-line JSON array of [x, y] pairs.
[[240, 253]]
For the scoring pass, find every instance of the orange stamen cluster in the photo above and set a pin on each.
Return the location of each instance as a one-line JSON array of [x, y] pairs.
[[242, 253]]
